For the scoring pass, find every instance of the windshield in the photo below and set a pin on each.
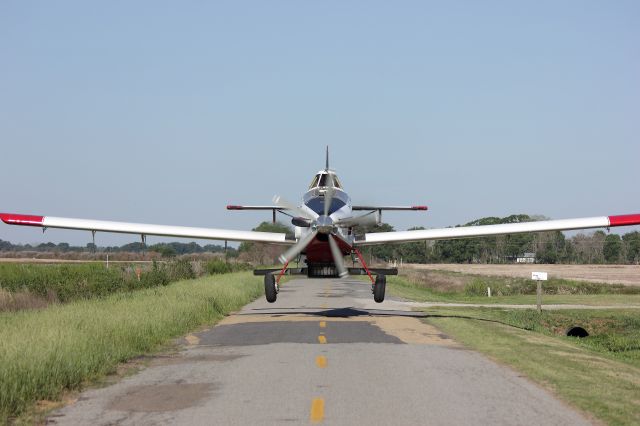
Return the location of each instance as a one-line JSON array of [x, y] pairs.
[[314, 182], [321, 180]]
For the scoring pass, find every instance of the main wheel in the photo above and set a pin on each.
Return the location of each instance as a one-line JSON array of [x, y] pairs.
[[379, 287], [270, 290]]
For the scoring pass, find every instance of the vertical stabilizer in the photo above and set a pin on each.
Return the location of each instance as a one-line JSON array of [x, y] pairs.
[[327, 166]]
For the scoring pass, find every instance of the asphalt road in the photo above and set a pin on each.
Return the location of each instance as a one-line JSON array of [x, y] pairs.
[[323, 353]]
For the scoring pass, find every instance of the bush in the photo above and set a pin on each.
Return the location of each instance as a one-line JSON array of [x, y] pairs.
[[217, 266]]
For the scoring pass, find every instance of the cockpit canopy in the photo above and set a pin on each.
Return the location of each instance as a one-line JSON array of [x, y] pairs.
[[321, 180]]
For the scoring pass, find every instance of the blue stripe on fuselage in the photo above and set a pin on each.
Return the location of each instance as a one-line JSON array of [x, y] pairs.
[[317, 204]]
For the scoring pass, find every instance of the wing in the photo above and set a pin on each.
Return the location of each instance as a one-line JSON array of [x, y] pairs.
[[236, 207], [501, 229], [372, 208], [143, 229]]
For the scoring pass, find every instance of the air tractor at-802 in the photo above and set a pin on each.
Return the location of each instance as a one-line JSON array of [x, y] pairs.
[[324, 232]]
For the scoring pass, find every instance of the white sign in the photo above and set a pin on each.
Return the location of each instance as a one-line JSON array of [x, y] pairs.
[[539, 276]]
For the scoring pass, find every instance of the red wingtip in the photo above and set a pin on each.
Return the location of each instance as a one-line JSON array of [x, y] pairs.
[[21, 219], [420, 207], [624, 220], [233, 207]]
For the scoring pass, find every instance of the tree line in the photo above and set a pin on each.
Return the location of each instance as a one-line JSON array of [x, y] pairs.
[[165, 249], [548, 247]]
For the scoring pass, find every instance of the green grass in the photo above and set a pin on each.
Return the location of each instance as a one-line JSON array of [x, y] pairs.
[[561, 293], [48, 351], [69, 282], [599, 374], [612, 333]]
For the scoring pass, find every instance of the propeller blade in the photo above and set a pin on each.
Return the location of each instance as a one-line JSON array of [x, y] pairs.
[[368, 219], [298, 247], [286, 205], [337, 257], [328, 195]]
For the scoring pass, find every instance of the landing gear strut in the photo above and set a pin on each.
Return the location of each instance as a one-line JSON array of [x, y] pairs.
[[270, 288], [379, 287]]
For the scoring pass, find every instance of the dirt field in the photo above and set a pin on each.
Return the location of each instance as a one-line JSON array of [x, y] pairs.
[[611, 274]]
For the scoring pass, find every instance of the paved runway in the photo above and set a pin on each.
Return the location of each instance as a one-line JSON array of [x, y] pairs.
[[323, 353]]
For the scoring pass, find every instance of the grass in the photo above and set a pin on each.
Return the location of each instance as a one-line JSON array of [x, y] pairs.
[[600, 375], [554, 291], [62, 347], [64, 283], [612, 333]]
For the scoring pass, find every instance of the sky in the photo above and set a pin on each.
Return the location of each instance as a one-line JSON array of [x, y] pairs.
[[165, 112]]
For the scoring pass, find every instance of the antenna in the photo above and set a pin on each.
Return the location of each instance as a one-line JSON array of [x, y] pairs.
[[327, 167]]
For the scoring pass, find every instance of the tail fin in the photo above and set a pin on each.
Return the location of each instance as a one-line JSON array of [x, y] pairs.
[[327, 166]]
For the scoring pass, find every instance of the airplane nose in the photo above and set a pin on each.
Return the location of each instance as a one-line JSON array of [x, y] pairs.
[[324, 224]]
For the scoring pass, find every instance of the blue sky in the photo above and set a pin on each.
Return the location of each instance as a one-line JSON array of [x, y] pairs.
[[164, 112]]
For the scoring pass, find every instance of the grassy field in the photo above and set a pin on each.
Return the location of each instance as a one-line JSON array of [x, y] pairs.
[[45, 352], [599, 374], [445, 286], [609, 274], [24, 286]]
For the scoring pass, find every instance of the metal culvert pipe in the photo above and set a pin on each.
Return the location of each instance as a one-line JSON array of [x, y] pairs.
[[577, 331]]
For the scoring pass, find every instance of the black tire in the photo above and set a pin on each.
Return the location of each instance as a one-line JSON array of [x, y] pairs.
[[270, 288], [379, 287]]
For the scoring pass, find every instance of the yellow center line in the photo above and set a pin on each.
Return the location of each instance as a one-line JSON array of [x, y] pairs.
[[323, 324], [321, 361], [322, 339], [317, 410]]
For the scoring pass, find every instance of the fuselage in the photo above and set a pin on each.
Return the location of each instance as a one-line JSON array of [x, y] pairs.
[[318, 251]]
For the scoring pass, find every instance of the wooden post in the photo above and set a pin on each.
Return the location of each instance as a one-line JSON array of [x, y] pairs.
[[539, 277]]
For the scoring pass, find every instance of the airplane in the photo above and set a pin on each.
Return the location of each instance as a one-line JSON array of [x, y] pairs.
[[324, 232]]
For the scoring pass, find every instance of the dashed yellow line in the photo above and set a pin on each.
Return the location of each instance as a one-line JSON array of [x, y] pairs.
[[322, 339], [317, 410], [321, 361], [323, 324]]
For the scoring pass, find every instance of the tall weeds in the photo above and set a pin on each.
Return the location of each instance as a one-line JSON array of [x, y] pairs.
[[45, 352]]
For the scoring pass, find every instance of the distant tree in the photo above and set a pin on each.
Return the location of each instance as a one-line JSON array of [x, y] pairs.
[[417, 252], [264, 253], [6, 245], [612, 248], [133, 247], [632, 246], [165, 250]]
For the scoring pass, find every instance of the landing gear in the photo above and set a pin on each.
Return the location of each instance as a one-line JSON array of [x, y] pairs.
[[379, 287], [270, 288]]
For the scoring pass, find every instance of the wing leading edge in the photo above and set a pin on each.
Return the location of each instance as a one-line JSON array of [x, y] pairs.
[[143, 229], [500, 229]]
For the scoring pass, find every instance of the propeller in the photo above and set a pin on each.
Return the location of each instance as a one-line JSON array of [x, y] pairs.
[[297, 248], [328, 194], [319, 224], [286, 205], [337, 256]]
